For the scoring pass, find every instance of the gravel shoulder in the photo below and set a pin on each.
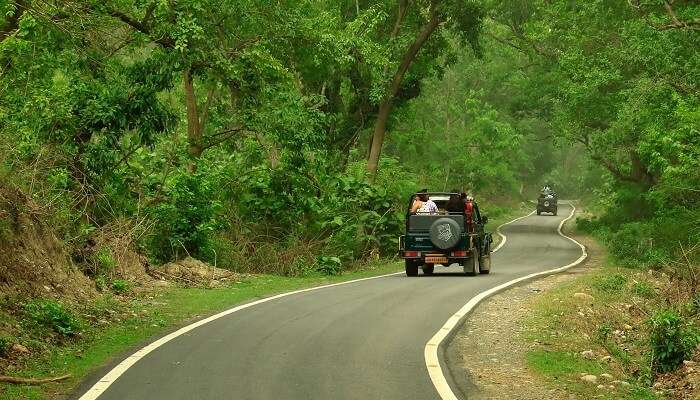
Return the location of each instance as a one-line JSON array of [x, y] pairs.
[[487, 356]]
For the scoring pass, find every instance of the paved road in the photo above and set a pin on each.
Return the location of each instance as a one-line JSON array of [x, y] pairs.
[[362, 340]]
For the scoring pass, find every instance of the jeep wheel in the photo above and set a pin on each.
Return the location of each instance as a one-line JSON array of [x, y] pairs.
[[411, 268], [428, 269], [539, 212], [555, 211], [485, 264], [471, 267]]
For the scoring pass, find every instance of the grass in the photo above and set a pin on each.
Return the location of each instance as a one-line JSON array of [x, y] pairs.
[[561, 327], [140, 319]]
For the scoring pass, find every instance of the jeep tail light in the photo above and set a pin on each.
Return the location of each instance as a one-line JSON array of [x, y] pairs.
[[411, 253], [460, 253]]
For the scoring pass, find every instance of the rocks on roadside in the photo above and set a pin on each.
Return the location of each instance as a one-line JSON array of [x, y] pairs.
[[588, 355], [606, 359], [607, 377], [589, 378], [18, 348]]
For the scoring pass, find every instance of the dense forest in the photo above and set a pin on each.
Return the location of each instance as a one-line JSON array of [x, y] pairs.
[[285, 137]]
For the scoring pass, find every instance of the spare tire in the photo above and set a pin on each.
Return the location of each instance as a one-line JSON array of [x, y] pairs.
[[444, 233]]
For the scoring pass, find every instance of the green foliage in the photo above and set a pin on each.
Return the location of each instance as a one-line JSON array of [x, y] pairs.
[[5, 230], [693, 305], [105, 261], [120, 286], [643, 289], [329, 265], [5, 343], [604, 332], [673, 339], [101, 283], [185, 222], [52, 315], [611, 283]]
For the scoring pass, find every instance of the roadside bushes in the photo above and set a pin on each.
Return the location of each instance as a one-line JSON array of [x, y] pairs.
[[673, 339], [611, 283], [310, 220], [184, 222], [5, 343], [652, 242], [52, 315]]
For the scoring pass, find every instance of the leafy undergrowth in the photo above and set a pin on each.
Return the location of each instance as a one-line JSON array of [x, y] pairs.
[[618, 325], [62, 339]]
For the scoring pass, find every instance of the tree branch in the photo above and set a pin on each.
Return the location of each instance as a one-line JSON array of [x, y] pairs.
[[143, 27], [12, 22], [508, 43], [220, 137], [32, 381], [675, 22]]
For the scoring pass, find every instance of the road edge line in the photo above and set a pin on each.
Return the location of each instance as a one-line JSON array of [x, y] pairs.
[[504, 238], [432, 359], [103, 383]]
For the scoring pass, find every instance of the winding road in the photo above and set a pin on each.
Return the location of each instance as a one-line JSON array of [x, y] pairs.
[[361, 340]]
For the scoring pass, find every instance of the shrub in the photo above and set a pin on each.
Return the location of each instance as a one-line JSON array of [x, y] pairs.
[[104, 262], [301, 267], [611, 283], [643, 289], [120, 286], [186, 221], [5, 228], [694, 304], [604, 332], [672, 340], [329, 265], [52, 315], [586, 225], [633, 245], [5, 343], [101, 283]]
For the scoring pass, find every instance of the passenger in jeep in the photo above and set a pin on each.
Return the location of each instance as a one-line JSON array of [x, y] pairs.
[[456, 202], [423, 205]]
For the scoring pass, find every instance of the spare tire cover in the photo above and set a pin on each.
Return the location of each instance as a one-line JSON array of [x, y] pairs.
[[444, 233]]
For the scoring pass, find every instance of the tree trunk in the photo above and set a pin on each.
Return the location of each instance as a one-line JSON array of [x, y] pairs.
[[387, 103], [194, 128], [377, 138]]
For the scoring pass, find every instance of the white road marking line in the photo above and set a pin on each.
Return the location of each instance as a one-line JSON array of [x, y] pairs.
[[432, 360], [106, 381], [503, 237]]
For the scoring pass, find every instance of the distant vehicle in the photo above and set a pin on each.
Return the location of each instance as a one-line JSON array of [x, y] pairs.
[[547, 202], [446, 238]]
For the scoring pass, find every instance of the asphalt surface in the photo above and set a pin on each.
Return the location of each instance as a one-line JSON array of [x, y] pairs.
[[362, 340]]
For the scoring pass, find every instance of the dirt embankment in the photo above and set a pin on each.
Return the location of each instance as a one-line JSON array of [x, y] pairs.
[[33, 262]]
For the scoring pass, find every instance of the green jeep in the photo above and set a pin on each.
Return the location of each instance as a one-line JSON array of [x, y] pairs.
[[446, 238]]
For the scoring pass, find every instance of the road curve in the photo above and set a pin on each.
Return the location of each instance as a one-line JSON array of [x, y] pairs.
[[361, 340]]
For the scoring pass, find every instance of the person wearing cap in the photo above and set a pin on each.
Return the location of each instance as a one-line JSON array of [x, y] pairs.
[[423, 205]]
